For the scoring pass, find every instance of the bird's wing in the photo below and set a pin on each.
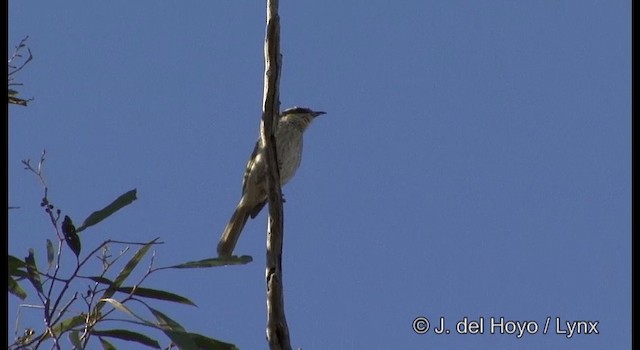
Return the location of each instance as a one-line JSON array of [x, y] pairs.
[[252, 160]]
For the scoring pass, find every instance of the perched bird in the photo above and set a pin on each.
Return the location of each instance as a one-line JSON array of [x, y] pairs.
[[288, 134]]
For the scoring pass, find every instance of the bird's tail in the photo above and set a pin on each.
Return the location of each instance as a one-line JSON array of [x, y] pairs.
[[233, 230]]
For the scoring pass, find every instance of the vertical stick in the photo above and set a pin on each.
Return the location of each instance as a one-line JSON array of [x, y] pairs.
[[277, 330]]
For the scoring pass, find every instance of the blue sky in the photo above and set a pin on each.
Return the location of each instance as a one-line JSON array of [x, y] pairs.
[[475, 161]]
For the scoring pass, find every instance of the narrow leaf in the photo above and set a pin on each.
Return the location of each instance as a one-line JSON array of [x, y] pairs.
[[174, 331], [120, 306], [15, 289], [155, 294], [32, 271], [126, 271], [213, 262], [128, 336], [74, 337], [166, 321], [68, 324], [105, 212], [50, 253], [106, 345], [181, 339], [70, 235], [203, 342], [186, 340], [15, 263], [64, 326], [19, 274]]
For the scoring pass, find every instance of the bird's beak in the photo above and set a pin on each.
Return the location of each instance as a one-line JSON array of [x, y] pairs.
[[315, 114]]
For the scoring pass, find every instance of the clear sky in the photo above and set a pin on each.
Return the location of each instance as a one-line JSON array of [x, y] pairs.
[[475, 161]]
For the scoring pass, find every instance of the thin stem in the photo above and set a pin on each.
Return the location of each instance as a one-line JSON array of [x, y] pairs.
[[277, 329]]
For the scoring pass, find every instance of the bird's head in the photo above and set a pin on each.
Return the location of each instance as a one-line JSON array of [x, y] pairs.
[[301, 111], [299, 115]]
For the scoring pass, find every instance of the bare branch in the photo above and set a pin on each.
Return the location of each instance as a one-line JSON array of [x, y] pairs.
[[277, 329], [13, 69], [16, 54], [38, 171]]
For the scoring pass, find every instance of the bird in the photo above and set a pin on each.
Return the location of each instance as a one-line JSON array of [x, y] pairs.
[[288, 135]]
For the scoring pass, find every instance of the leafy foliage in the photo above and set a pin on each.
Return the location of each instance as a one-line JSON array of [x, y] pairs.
[[108, 298], [105, 212], [70, 236]]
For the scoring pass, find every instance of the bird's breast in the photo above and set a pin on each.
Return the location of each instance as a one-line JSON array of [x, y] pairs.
[[289, 157]]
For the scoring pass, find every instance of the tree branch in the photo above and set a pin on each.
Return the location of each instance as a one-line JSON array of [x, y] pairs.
[[277, 330]]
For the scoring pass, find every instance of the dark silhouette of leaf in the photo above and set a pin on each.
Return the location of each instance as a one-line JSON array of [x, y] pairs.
[[106, 345], [213, 262], [185, 340], [70, 235], [203, 342], [15, 263], [155, 294], [174, 331], [50, 253], [105, 212], [128, 336], [74, 338], [32, 271]]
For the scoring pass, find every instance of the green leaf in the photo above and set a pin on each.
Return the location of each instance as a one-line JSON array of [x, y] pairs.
[[155, 294], [15, 263], [68, 324], [166, 321], [50, 253], [132, 263], [213, 262], [64, 326], [15, 289], [128, 336], [120, 306], [174, 331], [126, 271], [32, 271], [105, 212], [186, 340], [70, 235], [20, 274], [74, 337], [106, 345], [203, 342]]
